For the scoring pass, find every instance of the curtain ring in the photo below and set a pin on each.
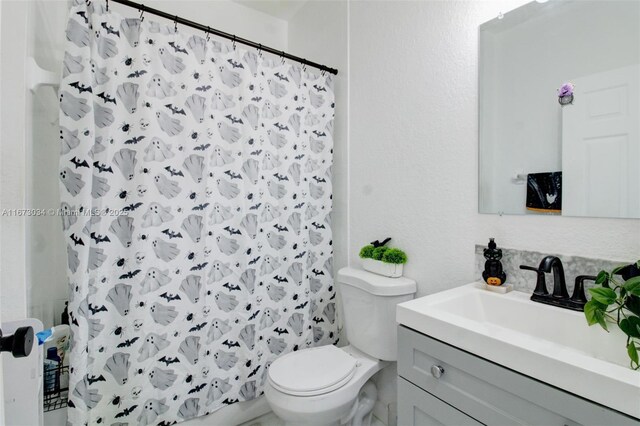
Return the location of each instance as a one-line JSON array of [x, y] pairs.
[[260, 50], [234, 42], [208, 33], [141, 13], [175, 24], [282, 57], [304, 64]]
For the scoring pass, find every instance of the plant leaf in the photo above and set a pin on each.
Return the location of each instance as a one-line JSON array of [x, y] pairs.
[[633, 352], [603, 295], [594, 313], [366, 252], [632, 285], [603, 276], [630, 326]]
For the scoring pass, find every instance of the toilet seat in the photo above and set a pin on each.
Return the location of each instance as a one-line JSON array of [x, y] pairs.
[[313, 371]]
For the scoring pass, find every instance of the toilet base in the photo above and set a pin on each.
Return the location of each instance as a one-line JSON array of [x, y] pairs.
[[360, 413], [350, 405], [362, 410]]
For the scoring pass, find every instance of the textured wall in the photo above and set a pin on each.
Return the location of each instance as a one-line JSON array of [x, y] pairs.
[[413, 141]]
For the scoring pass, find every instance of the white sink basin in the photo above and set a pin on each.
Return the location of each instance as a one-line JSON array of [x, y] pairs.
[[551, 344]]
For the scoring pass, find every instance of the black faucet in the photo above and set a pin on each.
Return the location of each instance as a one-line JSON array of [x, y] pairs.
[[560, 296], [553, 263]]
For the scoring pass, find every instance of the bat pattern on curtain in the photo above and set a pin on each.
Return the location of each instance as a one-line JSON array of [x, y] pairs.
[[209, 253]]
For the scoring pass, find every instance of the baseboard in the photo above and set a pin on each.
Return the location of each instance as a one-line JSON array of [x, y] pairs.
[[393, 414], [386, 413], [381, 411]]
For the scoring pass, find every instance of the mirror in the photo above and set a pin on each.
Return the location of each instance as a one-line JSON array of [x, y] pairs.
[[559, 109]]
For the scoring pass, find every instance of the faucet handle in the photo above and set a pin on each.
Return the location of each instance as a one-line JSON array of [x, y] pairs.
[[579, 298], [541, 284], [529, 268]]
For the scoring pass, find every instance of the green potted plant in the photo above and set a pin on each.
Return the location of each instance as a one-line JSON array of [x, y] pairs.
[[383, 260], [617, 301]]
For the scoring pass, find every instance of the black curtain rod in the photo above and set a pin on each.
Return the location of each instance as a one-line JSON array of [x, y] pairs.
[[178, 20]]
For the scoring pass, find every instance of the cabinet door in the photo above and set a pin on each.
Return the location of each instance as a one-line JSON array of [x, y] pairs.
[[419, 408], [490, 393]]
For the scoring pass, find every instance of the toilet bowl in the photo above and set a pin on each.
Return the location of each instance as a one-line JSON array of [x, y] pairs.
[[323, 386], [328, 385]]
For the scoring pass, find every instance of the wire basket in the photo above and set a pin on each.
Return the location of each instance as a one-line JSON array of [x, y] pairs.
[[55, 395]]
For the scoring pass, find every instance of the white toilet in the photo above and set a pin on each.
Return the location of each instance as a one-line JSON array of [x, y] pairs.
[[328, 385]]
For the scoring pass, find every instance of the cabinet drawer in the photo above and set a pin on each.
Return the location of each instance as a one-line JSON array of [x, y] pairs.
[[419, 408], [490, 393]]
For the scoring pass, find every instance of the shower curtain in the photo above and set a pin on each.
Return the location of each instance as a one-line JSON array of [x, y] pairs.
[[196, 202]]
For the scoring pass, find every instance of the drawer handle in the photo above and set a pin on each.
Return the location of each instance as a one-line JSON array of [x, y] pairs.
[[437, 371]]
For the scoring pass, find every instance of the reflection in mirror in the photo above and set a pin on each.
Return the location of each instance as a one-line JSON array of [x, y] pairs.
[[559, 109]]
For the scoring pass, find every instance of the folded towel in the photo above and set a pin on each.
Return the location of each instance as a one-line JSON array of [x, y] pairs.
[[544, 192]]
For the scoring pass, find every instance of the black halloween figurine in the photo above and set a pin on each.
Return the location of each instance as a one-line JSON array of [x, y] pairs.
[[493, 273], [377, 243]]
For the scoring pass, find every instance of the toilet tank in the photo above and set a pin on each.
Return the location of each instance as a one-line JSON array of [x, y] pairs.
[[369, 304]]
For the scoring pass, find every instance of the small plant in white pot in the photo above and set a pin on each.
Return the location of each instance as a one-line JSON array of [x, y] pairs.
[[383, 260]]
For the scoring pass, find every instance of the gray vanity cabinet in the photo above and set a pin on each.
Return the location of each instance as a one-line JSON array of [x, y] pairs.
[[417, 407], [443, 385]]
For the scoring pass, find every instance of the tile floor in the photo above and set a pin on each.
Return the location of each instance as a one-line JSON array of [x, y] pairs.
[[271, 419]]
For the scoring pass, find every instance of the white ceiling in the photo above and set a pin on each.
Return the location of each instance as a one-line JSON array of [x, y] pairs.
[[283, 9]]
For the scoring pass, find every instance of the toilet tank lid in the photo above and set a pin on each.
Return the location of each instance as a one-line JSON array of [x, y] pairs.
[[376, 284]]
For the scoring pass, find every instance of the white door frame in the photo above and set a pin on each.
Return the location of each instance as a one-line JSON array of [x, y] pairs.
[[1, 368], [12, 165]]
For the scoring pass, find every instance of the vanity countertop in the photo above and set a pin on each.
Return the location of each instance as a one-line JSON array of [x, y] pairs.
[[553, 345]]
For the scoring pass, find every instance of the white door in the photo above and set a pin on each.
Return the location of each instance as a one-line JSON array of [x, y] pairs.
[[601, 146], [23, 380]]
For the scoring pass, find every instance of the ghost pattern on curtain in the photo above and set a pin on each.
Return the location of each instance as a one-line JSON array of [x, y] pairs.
[[208, 170]]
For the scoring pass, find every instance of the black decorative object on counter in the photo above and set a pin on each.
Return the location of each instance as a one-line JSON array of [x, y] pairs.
[[493, 273]]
